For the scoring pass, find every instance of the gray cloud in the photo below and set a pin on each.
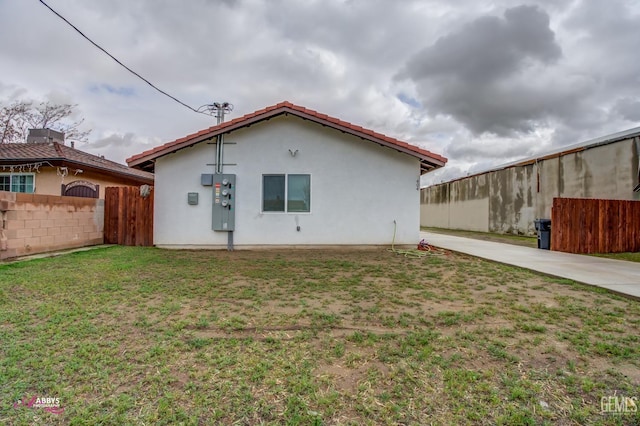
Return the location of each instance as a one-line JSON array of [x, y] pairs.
[[117, 146], [628, 108], [473, 151], [114, 140], [480, 82], [487, 49], [479, 74], [369, 31]]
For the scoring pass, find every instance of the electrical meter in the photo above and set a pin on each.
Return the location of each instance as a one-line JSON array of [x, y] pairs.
[[224, 189]]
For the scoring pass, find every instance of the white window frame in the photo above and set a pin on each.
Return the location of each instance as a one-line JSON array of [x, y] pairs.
[[13, 175], [286, 193]]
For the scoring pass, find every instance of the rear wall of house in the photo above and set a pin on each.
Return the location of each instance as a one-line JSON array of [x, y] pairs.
[[48, 182], [509, 200], [358, 189]]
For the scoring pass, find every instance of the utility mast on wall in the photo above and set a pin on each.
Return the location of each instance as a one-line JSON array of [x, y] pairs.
[[220, 109], [224, 185]]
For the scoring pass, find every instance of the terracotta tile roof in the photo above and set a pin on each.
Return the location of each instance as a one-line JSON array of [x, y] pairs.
[[428, 160], [13, 153]]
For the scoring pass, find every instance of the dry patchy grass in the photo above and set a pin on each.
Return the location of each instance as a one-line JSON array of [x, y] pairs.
[[148, 336]]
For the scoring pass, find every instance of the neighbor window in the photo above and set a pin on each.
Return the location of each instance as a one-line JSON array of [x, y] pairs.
[[294, 188], [17, 183]]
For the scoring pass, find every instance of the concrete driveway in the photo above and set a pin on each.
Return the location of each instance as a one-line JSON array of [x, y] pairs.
[[615, 275]]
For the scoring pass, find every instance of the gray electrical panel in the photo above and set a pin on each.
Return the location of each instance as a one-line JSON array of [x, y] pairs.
[[224, 202], [192, 198], [206, 179]]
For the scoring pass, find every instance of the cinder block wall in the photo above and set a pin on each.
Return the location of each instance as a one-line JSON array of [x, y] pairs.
[[33, 223]]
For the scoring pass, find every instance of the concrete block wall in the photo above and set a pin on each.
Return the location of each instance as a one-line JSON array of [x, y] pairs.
[[34, 223]]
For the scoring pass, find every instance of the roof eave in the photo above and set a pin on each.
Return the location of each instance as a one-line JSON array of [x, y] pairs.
[[200, 137], [65, 161], [427, 163], [427, 166], [435, 162], [108, 171]]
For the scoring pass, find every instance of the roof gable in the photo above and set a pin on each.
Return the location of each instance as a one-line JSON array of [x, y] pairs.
[[428, 160]]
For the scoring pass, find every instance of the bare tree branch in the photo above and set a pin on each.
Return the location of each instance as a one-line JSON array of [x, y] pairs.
[[12, 121], [17, 118]]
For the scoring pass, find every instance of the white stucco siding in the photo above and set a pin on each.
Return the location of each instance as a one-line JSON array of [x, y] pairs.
[[357, 189]]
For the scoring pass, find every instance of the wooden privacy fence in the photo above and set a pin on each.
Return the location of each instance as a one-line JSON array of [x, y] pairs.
[[595, 226], [128, 216]]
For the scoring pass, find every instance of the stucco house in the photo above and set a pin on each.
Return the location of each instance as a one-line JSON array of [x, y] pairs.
[[286, 176], [48, 166], [508, 199]]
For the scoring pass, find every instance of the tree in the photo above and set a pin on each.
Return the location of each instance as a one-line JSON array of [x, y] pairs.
[[12, 122], [17, 118]]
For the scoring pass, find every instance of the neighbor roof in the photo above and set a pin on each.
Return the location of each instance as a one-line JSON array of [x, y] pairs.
[[428, 160], [58, 154]]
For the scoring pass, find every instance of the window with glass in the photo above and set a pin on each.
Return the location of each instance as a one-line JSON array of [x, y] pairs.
[[17, 182], [286, 193], [273, 190], [5, 183]]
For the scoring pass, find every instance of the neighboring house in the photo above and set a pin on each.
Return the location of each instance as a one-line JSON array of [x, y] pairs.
[[50, 167], [286, 175], [508, 199]]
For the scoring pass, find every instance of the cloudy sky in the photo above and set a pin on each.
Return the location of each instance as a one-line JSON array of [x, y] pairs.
[[480, 82]]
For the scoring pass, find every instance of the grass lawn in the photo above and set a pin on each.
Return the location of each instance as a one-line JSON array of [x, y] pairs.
[[147, 336], [631, 257]]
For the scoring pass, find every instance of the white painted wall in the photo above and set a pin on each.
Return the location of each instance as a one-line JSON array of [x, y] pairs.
[[358, 189]]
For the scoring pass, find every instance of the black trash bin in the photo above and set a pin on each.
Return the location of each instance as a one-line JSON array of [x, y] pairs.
[[543, 226]]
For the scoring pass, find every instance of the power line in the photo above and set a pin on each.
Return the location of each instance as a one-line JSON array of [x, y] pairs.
[[199, 111]]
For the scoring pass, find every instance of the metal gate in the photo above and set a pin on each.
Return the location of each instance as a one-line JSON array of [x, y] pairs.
[[81, 188]]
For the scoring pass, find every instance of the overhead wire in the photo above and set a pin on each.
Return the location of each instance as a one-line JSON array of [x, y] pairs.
[[121, 64]]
